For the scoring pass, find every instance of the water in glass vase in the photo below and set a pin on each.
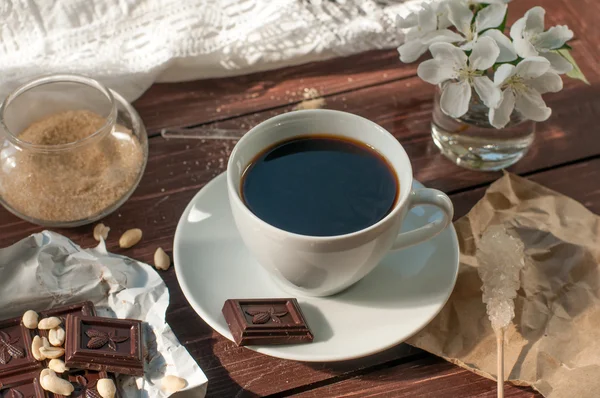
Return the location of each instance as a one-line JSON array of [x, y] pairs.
[[472, 142]]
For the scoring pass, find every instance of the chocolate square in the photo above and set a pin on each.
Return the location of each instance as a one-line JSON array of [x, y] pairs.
[[16, 359], [28, 387], [266, 321], [104, 344]]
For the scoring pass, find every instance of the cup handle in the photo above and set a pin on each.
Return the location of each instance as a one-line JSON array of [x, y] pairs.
[[426, 196]]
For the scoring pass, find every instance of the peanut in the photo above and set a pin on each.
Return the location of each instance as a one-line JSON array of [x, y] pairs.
[[161, 259], [51, 382], [130, 238], [36, 344], [52, 352], [171, 384], [106, 388], [57, 336], [101, 232], [43, 374], [30, 319], [57, 365], [45, 343], [49, 323]]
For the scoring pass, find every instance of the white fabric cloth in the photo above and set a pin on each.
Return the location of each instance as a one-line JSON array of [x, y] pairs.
[[129, 44]]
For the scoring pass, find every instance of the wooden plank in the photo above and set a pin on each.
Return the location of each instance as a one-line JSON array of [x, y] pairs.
[[192, 103], [426, 378], [585, 13]]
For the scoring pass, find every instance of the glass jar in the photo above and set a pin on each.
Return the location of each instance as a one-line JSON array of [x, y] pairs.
[[71, 151], [472, 142]]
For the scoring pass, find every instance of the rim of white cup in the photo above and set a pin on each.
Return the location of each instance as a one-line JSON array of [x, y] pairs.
[[278, 119]]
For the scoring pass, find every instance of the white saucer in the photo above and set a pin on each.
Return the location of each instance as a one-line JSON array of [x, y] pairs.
[[397, 299]]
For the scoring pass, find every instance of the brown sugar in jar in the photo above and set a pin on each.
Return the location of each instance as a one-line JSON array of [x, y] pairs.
[[71, 167], [77, 184]]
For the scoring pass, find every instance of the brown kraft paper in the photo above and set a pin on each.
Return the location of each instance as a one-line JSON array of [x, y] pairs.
[[553, 344]]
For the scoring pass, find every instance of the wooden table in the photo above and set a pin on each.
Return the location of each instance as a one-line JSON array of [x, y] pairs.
[[565, 157]]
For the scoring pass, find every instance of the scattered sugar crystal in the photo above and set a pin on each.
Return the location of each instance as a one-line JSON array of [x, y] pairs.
[[501, 259]]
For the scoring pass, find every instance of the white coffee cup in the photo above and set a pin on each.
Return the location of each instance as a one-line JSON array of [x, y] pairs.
[[317, 265]]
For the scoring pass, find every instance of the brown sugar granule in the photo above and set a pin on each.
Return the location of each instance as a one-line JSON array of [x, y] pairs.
[[75, 184]]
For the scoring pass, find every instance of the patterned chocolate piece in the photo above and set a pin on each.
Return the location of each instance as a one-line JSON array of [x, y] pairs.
[[104, 344], [85, 382], [27, 387], [16, 360], [266, 321]]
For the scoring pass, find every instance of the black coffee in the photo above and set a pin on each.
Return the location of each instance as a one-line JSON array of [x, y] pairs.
[[320, 186]]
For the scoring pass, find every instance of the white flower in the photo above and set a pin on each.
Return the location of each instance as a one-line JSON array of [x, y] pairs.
[[424, 28], [451, 63], [523, 87], [530, 39], [461, 16]]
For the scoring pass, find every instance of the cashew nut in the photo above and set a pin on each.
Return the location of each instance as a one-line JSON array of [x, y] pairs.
[[52, 352], [130, 238], [106, 388], [57, 365], [161, 259], [57, 336], [51, 382], [36, 344], [49, 323], [30, 319], [101, 232]]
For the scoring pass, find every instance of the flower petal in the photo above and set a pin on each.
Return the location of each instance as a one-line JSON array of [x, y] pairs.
[[427, 18], [558, 63], [490, 17], [534, 20], [524, 48], [485, 53], [461, 16], [549, 82], [455, 98], [411, 51], [532, 67], [516, 31], [532, 106], [442, 36], [449, 53], [500, 116], [435, 71], [442, 14], [503, 73], [507, 50], [553, 38], [487, 91]]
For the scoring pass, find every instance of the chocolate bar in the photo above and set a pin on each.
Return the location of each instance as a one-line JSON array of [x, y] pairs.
[[16, 361], [85, 308], [104, 344], [28, 387], [266, 321]]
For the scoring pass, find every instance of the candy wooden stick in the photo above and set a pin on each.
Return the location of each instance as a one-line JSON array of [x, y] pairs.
[[500, 362]]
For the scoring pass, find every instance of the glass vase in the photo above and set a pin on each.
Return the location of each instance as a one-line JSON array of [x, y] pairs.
[[472, 142]]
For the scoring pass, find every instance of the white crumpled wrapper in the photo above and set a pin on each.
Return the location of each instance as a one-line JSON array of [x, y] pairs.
[[47, 270]]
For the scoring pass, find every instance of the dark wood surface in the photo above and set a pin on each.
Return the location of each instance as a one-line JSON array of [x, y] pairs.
[[565, 157]]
